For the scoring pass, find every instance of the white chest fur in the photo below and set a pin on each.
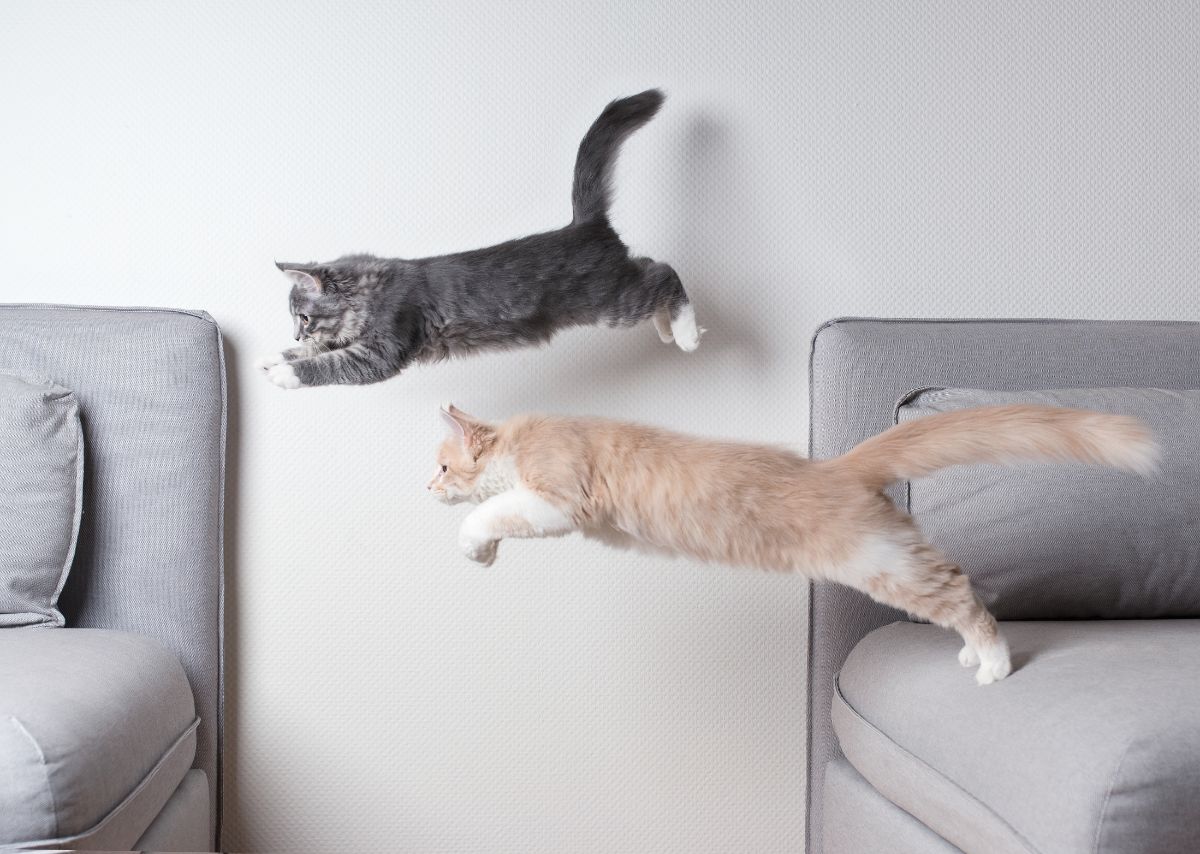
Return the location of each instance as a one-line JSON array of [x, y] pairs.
[[499, 475]]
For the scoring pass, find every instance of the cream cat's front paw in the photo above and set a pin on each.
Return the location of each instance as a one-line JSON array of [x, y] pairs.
[[283, 375], [476, 541], [480, 551]]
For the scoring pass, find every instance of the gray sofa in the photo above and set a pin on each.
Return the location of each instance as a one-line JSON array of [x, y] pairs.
[[110, 728], [1094, 743]]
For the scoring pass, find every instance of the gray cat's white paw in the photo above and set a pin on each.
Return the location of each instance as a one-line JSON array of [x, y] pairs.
[[268, 362], [684, 329], [283, 376]]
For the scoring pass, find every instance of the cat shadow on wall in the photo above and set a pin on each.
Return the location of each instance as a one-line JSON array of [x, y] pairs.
[[707, 239], [703, 187]]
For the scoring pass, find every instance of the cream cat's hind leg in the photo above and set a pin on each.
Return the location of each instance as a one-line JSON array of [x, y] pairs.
[[919, 580], [518, 512], [967, 656]]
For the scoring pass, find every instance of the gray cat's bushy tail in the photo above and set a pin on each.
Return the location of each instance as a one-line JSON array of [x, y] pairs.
[[598, 152]]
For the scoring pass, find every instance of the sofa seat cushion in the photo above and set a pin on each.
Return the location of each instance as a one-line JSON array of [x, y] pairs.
[[1091, 745], [97, 729]]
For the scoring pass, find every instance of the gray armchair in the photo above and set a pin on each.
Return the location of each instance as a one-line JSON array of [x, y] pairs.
[[120, 712], [1096, 745]]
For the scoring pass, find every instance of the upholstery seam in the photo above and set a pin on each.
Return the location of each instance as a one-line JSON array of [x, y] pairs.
[[1112, 782], [837, 689], [137, 790], [219, 726], [199, 315], [37, 748], [1082, 321], [810, 657]]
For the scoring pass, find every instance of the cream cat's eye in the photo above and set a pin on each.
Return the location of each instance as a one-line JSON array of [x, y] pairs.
[[444, 469]]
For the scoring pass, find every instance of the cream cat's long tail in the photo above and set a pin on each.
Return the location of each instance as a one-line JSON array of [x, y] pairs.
[[1003, 434]]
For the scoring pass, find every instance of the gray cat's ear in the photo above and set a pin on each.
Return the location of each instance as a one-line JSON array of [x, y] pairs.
[[303, 279]]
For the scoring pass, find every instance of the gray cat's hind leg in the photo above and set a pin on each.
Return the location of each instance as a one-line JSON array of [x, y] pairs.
[[684, 329], [674, 316], [662, 322]]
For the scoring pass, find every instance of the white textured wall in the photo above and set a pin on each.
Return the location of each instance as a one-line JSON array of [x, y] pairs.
[[814, 159]]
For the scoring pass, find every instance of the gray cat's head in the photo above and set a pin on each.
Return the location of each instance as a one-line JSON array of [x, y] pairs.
[[328, 301]]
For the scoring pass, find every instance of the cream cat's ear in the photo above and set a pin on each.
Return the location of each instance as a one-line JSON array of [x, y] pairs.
[[476, 435], [301, 278], [453, 423]]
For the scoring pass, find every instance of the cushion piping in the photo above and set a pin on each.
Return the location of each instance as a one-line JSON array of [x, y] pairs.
[[141, 793], [76, 517], [979, 827]]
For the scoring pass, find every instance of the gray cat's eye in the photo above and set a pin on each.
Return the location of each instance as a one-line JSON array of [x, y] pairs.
[[304, 319]]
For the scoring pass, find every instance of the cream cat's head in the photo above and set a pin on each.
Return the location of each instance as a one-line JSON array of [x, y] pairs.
[[463, 457]]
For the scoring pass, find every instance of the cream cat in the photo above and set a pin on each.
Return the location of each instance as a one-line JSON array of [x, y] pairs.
[[749, 505]]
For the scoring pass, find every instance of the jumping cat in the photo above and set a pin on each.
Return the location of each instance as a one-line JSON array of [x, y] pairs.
[[362, 319], [749, 505]]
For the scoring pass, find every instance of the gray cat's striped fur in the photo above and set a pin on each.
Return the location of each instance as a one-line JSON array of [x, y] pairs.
[[362, 319]]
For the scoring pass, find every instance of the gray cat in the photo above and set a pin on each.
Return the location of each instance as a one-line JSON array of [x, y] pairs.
[[362, 319]]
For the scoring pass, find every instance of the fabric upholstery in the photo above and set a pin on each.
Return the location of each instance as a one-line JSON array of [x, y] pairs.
[[97, 729], [859, 820], [1091, 745], [150, 384], [1073, 541], [41, 486], [183, 823], [859, 369]]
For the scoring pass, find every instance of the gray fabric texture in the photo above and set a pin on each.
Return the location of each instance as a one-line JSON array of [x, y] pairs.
[[860, 368], [183, 823], [150, 384], [97, 729], [1072, 541], [1091, 745], [41, 486], [859, 820]]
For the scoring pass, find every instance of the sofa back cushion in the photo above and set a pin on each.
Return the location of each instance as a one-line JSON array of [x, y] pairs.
[[1048, 541], [41, 487]]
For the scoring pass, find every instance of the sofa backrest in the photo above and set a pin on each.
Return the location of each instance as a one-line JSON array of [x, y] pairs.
[[151, 390], [860, 368]]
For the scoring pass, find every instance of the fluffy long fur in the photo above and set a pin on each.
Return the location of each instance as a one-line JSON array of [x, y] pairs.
[[362, 319], [750, 505]]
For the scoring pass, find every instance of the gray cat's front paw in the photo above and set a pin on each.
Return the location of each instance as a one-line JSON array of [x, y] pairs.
[[283, 375], [267, 362]]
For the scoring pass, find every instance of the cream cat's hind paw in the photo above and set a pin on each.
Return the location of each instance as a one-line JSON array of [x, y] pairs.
[[967, 656], [283, 376], [994, 664]]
